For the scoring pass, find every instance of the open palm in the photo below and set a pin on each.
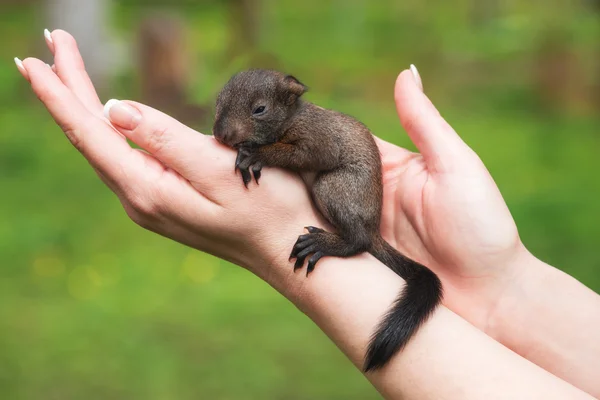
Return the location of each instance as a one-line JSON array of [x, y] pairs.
[[442, 208]]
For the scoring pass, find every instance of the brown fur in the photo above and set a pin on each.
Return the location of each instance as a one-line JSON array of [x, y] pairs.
[[262, 115]]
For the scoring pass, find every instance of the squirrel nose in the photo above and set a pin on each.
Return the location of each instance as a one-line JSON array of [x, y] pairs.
[[227, 133], [230, 136], [222, 135]]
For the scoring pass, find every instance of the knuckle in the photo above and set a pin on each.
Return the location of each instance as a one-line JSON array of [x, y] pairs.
[[139, 219], [74, 129], [143, 206], [411, 123], [146, 202], [74, 137], [157, 140], [132, 213]]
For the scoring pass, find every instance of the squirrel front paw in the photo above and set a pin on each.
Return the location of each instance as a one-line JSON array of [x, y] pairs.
[[311, 243], [247, 160]]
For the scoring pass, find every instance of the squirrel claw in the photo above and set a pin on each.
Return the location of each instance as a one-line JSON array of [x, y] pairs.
[[298, 264], [256, 171], [313, 261], [246, 177], [245, 161], [312, 229], [238, 159]]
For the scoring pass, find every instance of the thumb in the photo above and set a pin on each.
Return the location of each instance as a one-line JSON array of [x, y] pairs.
[[438, 143]]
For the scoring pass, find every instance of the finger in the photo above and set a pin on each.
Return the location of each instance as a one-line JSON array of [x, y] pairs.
[[123, 169], [70, 68], [437, 142], [186, 151], [104, 148]]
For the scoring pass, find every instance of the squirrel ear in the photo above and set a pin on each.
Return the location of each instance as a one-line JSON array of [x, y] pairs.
[[294, 87]]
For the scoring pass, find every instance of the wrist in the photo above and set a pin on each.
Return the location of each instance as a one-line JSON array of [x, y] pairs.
[[271, 251], [516, 303], [483, 298]]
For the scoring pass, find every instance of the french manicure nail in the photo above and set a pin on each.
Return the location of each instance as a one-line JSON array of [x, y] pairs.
[[122, 114], [417, 76], [20, 64], [108, 106], [49, 40], [48, 36]]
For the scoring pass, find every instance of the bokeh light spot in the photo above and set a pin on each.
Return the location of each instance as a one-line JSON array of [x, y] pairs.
[[200, 268], [83, 283], [48, 266]]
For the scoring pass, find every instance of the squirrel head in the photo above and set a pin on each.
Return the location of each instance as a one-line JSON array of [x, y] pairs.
[[253, 107]]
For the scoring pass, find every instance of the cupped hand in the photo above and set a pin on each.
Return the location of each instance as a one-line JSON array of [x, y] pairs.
[[182, 184], [442, 208]]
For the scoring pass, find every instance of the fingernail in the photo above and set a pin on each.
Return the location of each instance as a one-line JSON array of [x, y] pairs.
[[122, 114], [417, 76], [20, 64], [48, 36], [49, 40]]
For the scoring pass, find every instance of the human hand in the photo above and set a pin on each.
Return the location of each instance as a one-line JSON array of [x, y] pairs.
[[443, 208], [183, 186]]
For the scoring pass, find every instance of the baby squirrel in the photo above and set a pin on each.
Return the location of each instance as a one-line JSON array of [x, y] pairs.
[[261, 114]]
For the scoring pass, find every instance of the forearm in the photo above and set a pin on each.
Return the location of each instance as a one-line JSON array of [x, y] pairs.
[[447, 359], [553, 320]]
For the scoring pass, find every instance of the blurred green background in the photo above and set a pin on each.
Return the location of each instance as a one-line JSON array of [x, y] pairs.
[[91, 306]]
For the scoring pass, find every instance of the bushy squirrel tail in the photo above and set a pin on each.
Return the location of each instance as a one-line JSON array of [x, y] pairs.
[[414, 305]]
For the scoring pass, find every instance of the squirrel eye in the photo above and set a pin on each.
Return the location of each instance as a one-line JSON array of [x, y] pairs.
[[259, 110]]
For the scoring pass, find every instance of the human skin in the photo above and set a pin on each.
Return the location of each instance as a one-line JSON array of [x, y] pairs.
[[441, 207]]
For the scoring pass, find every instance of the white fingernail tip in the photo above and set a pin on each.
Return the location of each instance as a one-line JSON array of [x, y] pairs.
[[108, 106], [415, 71], [48, 36], [417, 76], [19, 63]]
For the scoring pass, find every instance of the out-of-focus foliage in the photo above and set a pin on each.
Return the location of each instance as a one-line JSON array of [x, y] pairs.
[[92, 306]]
